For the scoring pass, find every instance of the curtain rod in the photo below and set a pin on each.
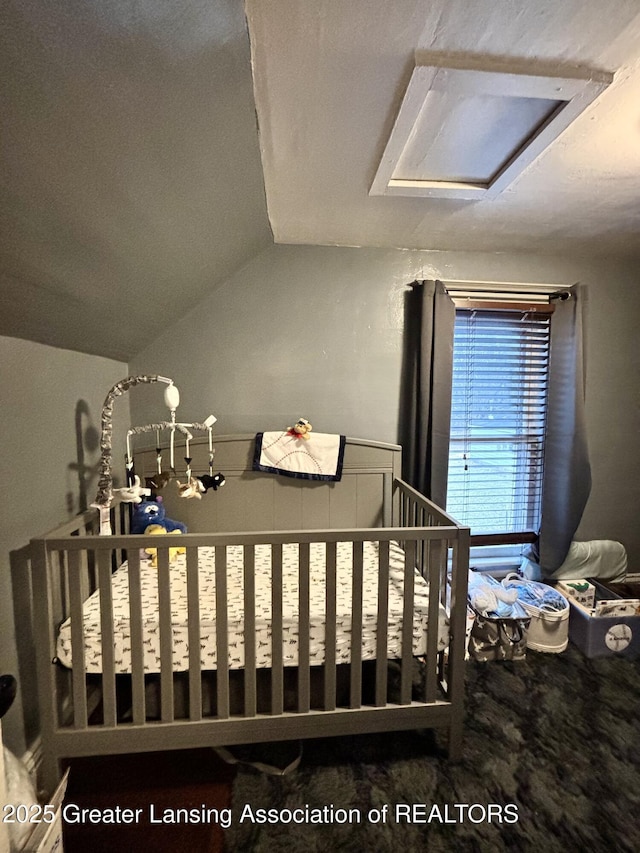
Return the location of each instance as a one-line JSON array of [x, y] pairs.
[[562, 295], [481, 290]]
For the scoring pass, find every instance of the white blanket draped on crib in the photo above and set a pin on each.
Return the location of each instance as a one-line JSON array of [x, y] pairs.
[[318, 458]]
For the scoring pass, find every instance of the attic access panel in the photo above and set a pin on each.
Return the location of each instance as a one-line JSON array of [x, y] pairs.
[[468, 132]]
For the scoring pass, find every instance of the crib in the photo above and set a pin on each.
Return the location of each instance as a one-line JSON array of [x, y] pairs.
[[237, 652]]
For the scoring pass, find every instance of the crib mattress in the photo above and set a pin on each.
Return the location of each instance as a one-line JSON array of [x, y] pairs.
[[235, 611]]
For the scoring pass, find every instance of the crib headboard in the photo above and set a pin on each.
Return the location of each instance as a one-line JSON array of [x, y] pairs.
[[251, 500]]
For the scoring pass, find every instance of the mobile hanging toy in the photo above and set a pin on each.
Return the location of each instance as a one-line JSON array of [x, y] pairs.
[[212, 481], [134, 492]]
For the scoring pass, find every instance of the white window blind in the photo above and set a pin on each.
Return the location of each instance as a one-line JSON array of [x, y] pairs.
[[498, 412]]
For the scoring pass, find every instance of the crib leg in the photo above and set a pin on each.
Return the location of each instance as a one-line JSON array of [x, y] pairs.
[[454, 745], [49, 774]]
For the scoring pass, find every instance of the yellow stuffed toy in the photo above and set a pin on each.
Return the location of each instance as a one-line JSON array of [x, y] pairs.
[[300, 429], [159, 530]]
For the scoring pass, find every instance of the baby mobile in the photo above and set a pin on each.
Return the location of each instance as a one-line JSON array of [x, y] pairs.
[[134, 492]]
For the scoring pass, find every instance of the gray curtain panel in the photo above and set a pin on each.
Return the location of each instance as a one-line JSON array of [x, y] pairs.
[[425, 413], [567, 473]]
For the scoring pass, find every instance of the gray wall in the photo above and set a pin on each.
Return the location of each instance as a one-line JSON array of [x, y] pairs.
[[51, 405], [317, 332], [313, 331]]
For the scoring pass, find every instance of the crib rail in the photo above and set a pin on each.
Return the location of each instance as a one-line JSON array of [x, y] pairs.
[[444, 563], [84, 714]]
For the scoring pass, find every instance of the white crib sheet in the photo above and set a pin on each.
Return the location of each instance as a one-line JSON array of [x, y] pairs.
[[235, 609]]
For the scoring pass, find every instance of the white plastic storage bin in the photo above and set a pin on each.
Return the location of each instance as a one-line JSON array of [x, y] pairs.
[[549, 628]]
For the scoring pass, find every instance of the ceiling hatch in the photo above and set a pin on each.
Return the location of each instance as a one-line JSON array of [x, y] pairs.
[[467, 131]]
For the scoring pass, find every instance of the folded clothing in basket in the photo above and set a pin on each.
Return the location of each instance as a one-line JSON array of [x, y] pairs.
[[535, 594], [491, 598], [549, 612]]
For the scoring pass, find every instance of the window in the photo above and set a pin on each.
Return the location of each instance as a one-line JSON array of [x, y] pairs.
[[498, 413]]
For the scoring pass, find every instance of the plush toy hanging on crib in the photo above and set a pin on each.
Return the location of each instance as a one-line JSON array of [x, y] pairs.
[[195, 487], [191, 487], [158, 481], [212, 481], [160, 478], [300, 429], [131, 494]]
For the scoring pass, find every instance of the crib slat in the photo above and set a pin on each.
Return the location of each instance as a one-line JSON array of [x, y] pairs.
[[106, 636], [78, 672], [304, 684], [222, 638], [423, 544], [136, 635], [166, 636], [62, 595], [455, 679], [439, 549], [434, 576], [45, 639], [439, 556], [407, 622], [355, 698], [58, 589], [387, 488], [84, 575], [120, 525], [250, 701], [193, 620], [330, 630], [382, 624], [277, 674]]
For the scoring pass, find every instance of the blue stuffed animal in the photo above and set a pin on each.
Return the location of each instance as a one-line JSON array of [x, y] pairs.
[[153, 512]]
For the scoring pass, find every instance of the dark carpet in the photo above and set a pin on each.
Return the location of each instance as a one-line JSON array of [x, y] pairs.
[[551, 763]]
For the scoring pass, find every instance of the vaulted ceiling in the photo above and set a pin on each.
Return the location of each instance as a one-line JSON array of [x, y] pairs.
[[131, 173], [151, 148], [330, 79]]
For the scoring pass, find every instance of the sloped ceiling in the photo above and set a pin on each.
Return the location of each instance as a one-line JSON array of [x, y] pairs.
[[131, 175], [134, 178], [329, 81]]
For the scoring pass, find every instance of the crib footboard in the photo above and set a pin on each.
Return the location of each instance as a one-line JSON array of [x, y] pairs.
[[203, 679]]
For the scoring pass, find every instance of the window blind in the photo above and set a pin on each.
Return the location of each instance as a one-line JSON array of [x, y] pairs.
[[498, 414]]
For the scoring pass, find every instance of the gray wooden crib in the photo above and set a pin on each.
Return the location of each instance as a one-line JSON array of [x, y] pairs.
[[236, 653]]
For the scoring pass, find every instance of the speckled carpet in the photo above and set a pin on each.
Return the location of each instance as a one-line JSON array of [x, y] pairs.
[[551, 763]]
